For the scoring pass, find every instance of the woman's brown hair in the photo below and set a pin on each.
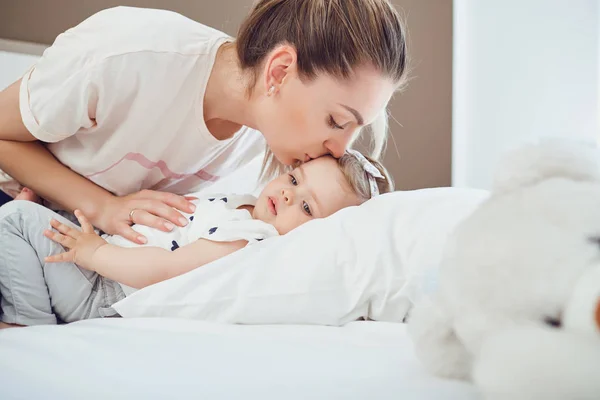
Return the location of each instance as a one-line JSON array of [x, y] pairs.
[[330, 36]]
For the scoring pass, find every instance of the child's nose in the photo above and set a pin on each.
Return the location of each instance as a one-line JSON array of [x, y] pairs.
[[287, 196]]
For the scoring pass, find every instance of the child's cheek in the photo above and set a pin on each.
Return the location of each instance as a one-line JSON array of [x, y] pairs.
[[286, 221]]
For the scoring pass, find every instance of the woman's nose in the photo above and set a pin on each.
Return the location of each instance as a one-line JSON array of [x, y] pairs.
[[337, 147]]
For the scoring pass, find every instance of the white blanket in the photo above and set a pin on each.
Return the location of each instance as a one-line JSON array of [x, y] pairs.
[[181, 359]]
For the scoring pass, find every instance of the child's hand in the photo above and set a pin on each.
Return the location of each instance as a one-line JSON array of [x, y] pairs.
[[81, 244]]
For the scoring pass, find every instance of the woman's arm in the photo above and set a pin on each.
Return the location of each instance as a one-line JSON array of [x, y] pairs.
[[11, 124], [145, 266], [135, 267], [31, 164]]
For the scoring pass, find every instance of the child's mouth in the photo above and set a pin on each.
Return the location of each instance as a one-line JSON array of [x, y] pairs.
[[272, 203]]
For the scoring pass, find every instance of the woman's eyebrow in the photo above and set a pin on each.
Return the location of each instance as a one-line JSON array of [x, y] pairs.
[[356, 114]]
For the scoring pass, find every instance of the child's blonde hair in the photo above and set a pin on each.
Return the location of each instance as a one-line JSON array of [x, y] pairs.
[[358, 178]]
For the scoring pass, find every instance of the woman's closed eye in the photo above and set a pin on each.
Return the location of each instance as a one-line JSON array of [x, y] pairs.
[[306, 209], [333, 124]]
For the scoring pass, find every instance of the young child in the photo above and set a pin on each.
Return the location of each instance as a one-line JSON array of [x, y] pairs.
[[96, 272]]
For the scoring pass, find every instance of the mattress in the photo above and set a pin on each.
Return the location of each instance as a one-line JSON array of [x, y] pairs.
[[181, 359]]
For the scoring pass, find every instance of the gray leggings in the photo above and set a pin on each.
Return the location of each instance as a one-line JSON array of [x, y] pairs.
[[33, 292]]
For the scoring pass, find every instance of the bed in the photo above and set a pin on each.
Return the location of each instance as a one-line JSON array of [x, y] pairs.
[[244, 340], [155, 358]]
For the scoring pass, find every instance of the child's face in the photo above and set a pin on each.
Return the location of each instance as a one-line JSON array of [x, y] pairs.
[[316, 189]]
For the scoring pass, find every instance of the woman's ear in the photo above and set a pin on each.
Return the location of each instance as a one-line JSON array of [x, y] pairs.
[[280, 64]]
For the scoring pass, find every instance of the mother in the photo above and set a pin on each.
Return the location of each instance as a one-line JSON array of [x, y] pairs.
[[132, 101]]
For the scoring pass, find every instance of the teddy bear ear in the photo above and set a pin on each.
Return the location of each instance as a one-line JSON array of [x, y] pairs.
[[548, 158]]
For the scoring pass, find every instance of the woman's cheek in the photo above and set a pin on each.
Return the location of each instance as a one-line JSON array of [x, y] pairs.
[[297, 114]]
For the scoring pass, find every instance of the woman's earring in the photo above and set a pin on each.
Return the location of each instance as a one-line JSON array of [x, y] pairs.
[[271, 91]]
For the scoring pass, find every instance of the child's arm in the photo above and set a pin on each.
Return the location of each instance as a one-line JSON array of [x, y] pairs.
[[145, 266], [135, 267]]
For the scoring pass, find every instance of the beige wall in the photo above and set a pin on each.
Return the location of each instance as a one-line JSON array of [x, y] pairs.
[[419, 153]]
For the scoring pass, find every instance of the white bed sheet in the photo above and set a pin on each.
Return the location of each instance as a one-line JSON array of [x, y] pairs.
[[182, 359]]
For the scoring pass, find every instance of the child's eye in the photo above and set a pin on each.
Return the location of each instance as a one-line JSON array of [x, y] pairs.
[[293, 180], [306, 208], [333, 124]]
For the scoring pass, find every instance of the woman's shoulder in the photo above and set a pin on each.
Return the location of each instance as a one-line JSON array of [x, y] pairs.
[[133, 18], [126, 30]]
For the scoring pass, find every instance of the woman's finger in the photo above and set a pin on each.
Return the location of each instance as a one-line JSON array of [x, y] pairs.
[[65, 229], [63, 240], [142, 217], [157, 215], [170, 199], [128, 233], [83, 221], [62, 257]]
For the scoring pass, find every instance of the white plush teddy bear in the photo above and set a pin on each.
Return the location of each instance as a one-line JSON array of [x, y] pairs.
[[517, 301]]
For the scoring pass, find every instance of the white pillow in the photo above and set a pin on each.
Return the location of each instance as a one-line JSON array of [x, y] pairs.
[[366, 261]]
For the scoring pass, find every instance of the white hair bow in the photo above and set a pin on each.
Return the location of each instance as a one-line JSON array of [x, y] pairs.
[[372, 171]]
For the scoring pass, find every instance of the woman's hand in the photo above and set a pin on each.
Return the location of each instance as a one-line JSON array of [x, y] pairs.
[[81, 245], [160, 210]]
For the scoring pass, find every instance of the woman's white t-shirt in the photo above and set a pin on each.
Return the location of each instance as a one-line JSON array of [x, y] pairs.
[[119, 100]]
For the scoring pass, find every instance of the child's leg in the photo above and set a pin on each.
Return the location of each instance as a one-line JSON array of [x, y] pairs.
[[34, 292]]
